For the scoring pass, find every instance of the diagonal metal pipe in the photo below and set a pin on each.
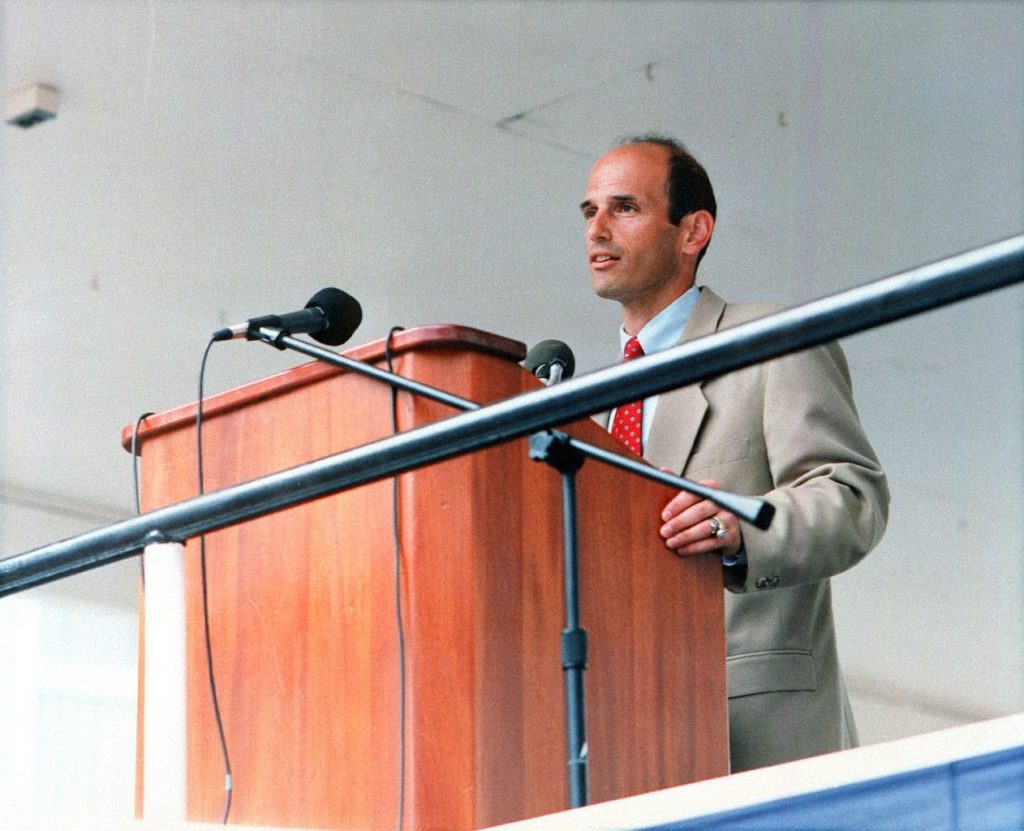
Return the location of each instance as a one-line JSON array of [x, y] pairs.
[[883, 301]]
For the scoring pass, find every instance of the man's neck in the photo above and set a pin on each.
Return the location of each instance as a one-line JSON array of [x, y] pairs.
[[640, 312], [634, 319]]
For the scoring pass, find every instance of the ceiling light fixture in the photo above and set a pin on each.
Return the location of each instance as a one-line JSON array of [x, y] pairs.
[[31, 105]]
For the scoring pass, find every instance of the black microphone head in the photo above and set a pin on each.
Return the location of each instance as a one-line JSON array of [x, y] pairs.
[[548, 352], [343, 313]]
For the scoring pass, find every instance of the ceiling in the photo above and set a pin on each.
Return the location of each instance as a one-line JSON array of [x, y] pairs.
[[212, 161]]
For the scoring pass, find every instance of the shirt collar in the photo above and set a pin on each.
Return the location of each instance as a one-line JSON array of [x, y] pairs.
[[664, 330]]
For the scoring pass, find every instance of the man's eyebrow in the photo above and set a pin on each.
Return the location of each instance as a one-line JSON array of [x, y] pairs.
[[621, 197]]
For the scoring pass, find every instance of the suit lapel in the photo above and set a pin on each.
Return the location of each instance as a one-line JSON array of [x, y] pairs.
[[680, 412]]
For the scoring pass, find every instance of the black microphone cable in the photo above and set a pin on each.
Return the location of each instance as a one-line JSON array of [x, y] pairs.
[[202, 560], [396, 542], [136, 492], [206, 609]]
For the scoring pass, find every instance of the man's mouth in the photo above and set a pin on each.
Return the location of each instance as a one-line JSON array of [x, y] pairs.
[[601, 258]]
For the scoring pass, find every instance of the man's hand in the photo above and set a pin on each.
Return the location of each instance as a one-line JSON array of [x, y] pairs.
[[691, 523]]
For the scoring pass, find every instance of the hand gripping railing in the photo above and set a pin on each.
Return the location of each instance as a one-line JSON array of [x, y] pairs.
[[883, 301]]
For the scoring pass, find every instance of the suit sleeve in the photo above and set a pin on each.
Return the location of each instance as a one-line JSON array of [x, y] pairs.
[[828, 488]]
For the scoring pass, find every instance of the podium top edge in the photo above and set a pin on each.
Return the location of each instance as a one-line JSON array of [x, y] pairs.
[[416, 338]]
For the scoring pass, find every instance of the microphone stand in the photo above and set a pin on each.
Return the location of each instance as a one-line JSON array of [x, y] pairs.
[[558, 450], [566, 455]]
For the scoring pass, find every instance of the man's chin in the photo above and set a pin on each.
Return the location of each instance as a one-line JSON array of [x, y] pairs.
[[603, 287]]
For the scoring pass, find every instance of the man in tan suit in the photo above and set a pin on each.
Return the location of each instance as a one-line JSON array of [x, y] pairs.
[[786, 430]]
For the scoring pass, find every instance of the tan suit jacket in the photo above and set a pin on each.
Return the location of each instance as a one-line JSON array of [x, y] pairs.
[[787, 430]]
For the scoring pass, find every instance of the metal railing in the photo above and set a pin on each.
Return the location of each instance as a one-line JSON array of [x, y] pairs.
[[883, 301]]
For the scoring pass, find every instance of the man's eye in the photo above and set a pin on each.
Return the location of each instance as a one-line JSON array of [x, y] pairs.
[[625, 207]]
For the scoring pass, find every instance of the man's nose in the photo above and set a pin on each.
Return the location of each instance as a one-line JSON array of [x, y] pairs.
[[597, 227]]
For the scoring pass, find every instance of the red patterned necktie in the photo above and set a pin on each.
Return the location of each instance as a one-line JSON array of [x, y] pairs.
[[628, 425]]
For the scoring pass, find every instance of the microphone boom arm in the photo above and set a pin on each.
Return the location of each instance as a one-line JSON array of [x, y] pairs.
[[281, 340]]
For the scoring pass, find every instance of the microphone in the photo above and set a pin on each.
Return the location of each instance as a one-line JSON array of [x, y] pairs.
[[551, 361], [331, 316]]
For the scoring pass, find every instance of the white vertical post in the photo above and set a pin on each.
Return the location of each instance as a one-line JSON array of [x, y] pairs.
[[164, 688]]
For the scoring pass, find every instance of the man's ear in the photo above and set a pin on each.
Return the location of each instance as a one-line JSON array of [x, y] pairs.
[[695, 232]]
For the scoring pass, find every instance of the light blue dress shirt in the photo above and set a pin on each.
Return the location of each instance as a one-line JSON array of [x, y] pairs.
[[661, 332]]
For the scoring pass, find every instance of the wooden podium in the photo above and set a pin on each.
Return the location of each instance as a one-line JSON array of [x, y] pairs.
[[303, 612]]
